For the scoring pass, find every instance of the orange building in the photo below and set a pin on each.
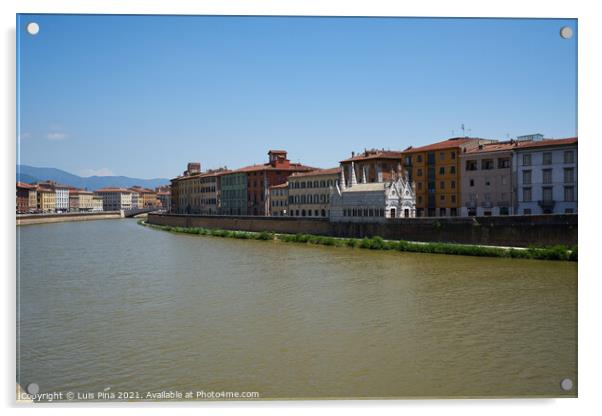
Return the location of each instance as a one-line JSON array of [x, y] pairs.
[[435, 171]]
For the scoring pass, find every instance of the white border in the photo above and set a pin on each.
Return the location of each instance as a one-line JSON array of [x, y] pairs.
[[590, 68]]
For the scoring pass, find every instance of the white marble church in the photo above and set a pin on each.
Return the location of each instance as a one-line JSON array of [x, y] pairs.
[[371, 202]]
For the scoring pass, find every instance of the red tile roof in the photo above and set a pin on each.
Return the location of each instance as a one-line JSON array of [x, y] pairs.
[[492, 147], [374, 154], [112, 190], [25, 185], [445, 144], [295, 167], [316, 172], [545, 143]]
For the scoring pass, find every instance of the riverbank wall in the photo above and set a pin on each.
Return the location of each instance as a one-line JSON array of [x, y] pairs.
[[509, 231], [28, 219]]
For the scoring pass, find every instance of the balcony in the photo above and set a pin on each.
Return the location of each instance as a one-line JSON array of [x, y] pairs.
[[546, 203], [487, 204]]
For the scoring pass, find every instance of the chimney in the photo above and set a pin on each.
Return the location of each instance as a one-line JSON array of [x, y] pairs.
[[352, 153]]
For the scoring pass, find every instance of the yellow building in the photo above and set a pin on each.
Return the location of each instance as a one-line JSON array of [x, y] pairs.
[[279, 200], [46, 199], [435, 171], [309, 192]]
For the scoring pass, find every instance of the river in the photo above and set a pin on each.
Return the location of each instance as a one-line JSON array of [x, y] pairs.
[[113, 306]]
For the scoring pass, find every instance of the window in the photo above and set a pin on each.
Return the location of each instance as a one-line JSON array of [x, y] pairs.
[[453, 155], [503, 163], [441, 170], [453, 184], [441, 185], [547, 176], [504, 180], [487, 164], [569, 176], [546, 193], [547, 158], [471, 165], [419, 172], [527, 177], [419, 200], [526, 194], [487, 181], [442, 212], [569, 156], [472, 182], [527, 159], [452, 169], [569, 193], [442, 198], [568, 210], [527, 211], [442, 156], [419, 186], [453, 199], [419, 158]]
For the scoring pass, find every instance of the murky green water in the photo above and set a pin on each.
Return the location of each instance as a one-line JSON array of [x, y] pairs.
[[113, 304]]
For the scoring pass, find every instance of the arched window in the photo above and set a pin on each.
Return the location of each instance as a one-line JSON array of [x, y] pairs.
[[303, 213], [323, 213]]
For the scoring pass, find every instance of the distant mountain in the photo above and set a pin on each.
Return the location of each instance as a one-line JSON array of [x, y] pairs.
[[30, 174]]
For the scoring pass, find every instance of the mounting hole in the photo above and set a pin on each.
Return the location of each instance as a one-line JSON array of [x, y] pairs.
[[566, 384], [566, 32], [33, 388], [33, 28]]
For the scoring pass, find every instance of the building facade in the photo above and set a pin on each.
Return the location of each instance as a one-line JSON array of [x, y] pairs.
[[372, 201], [279, 200], [373, 166], [97, 204], [545, 176], [62, 198], [24, 200], [309, 192], [486, 180], [115, 199], [193, 193], [435, 171], [246, 191], [234, 193], [46, 202]]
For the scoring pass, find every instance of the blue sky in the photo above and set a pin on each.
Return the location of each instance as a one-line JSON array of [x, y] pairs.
[[143, 95]]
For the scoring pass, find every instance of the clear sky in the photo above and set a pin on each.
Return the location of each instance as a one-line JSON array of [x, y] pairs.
[[143, 95]]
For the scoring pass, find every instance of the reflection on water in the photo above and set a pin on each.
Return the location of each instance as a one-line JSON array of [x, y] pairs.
[[113, 304]]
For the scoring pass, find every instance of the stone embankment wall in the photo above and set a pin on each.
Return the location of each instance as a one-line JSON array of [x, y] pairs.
[[513, 231], [76, 216]]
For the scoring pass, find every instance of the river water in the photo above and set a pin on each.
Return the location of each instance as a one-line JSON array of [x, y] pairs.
[[114, 306]]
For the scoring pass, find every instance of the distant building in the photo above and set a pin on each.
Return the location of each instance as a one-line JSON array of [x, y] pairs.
[[435, 171], [245, 191], [62, 198], [309, 192], [24, 201], [373, 165], [164, 197], [545, 173], [46, 195], [115, 199], [371, 201], [97, 203], [196, 192], [137, 202], [486, 180], [279, 200]]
